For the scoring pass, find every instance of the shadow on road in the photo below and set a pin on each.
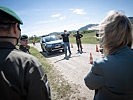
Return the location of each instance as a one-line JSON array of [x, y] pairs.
[[52, 54], [67, 58], [59, 53]]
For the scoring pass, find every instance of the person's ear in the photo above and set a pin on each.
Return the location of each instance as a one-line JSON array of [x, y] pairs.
[[15, 28]]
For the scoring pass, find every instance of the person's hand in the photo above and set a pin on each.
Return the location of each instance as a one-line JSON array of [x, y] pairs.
[[91, 59]]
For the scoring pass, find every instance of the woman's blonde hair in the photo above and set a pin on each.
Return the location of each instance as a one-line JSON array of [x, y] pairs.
[[116, 32]]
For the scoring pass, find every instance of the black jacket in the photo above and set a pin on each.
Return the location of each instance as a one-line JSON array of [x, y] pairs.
[[21, 75], [65, 37], [24, 49]]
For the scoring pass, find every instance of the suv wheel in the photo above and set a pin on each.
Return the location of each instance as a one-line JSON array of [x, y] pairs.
[[43, 50], [63, 50]]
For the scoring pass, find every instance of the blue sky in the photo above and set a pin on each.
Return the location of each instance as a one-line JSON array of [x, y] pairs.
[[45, 16]]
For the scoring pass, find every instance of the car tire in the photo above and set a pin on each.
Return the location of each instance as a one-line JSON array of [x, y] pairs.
[[43, 50], [63, 50], [48, 52]]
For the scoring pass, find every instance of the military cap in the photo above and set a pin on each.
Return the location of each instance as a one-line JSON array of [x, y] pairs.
[[24, 37], [11, 13]]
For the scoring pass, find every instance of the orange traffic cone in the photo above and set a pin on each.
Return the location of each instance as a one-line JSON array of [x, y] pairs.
[[71, 45], [91, 59], [97, 49]]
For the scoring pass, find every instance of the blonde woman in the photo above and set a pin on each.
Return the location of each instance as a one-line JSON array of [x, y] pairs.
[[112, 76]]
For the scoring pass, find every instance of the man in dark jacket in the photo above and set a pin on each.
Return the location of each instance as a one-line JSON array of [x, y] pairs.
[[21, 74], [65, 37], [78, 37]]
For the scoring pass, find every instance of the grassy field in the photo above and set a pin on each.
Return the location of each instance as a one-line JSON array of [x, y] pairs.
[[88, 38]]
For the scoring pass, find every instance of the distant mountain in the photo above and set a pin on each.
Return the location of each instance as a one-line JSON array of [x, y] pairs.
[[88, 27], [55, 33], [95, 26]]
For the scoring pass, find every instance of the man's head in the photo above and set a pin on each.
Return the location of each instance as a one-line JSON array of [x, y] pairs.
[[65, 31], [24, 40], [9, 25]]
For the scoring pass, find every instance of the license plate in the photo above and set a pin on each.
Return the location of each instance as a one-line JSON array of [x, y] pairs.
[[57, 46]]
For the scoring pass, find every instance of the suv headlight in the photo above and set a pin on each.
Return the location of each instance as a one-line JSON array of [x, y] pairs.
[[62, 43]]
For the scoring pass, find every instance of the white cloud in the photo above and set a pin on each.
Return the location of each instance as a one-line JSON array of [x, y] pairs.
[[59, 16], [56, 15], [78, 11], [47, 21], [62, 17]]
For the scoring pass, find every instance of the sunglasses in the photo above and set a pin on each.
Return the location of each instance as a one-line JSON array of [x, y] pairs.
[[19, 27], [9, 25]]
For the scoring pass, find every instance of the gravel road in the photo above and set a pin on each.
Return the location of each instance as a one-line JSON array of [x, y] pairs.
[[76, 67]]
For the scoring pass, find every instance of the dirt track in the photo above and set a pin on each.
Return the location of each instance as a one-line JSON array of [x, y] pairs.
[[76, 67]]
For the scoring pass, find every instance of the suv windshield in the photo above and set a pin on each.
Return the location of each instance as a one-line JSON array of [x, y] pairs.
[[50, 38]]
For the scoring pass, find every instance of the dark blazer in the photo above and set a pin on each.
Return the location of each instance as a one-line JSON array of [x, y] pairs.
[[21, 75], [112, 77]]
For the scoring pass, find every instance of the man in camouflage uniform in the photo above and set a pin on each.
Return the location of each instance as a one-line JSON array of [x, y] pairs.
[[21, 74]]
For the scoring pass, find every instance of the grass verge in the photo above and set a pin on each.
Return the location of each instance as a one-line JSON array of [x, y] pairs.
[[60, 89]]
